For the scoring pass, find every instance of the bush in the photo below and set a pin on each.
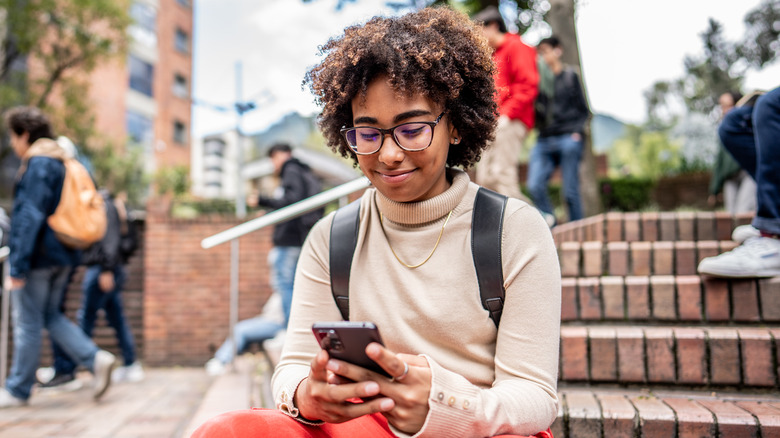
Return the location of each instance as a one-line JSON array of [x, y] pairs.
[[626, 194]]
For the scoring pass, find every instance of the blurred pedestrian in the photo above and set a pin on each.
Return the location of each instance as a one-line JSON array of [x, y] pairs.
[[40, 263], [561, 133], [297, 183], [517, 80], [728, 177], [750, 134]]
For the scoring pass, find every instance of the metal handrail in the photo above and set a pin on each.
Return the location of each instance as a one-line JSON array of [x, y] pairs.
[[4, 315], [286, 213]]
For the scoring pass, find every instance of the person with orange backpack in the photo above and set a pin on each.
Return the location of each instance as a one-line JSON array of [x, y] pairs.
[[40, 261]]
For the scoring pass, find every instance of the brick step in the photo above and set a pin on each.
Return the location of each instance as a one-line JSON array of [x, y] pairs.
[[667, 298], [702, 357], [651, 227], [597, 413], [593, 258]]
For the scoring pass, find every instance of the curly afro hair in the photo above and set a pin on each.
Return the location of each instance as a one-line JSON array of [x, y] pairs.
[[436, 52]]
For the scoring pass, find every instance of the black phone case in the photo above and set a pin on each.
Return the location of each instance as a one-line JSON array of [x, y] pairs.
[[347, 341]]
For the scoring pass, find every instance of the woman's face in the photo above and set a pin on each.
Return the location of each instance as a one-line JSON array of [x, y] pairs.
[[401, 175]]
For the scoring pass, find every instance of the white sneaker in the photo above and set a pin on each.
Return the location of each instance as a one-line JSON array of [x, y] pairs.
[[214, 367], [129, 373], [756, 257], [104, 364], [44, 374], [744, 232], [9, 401]]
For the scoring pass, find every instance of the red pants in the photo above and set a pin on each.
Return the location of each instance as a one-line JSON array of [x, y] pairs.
[[270, 423]]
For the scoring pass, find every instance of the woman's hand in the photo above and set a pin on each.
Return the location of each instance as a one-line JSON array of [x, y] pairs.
[[322, 396]]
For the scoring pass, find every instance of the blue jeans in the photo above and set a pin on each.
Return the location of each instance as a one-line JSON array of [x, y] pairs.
[[283, 260], [111, 302], [751, 137], [246, 331], [35, 307], [549, 153]]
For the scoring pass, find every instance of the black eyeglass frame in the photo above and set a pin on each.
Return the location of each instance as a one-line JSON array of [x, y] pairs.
[[391, 131]]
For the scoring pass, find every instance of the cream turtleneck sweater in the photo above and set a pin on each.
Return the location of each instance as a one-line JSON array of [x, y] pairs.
[[485, 381]]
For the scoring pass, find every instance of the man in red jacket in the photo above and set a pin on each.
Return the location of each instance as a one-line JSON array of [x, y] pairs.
[[517, 82]]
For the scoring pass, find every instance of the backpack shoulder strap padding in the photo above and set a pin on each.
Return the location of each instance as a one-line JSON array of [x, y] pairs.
[[486, 229], [343, 240]]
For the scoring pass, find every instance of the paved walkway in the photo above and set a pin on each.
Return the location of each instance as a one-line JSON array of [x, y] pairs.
[[169, 402]]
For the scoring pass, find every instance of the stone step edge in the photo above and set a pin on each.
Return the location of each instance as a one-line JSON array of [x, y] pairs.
[[596, 413], [670, 298], [696, 356]]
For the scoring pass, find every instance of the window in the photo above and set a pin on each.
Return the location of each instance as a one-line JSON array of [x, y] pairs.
[[180, 86], [179, 132], [144, 27], [185, 3], [182, 41], [141, 75], [139, 128]]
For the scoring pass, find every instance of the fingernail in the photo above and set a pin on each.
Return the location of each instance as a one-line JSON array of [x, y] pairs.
[[386, 404], [332, 366], [372, 388]]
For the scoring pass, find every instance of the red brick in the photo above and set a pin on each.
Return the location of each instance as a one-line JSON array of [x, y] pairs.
[[724, 356], [757, 367], [663, 297], [631, 227], [574, 353], [667, 224], [724, 225], [685, 225], [767, 415], [705, 226], [655, 418], [685, 258], [568, 299], [650, 226], [593, 265], [689, 297], [663, 258], [693, 420], [732, 420], [570, 259], [660, 354], [691, 355], [584, 414], [603, 354], [612, 293], [744, 295], [716, 299], [618, 416], [728, 245], [638, 297], [631, 354], [769, 293], [707, 248], [640, 258], [617, 258], [614, 227], [589, 294]]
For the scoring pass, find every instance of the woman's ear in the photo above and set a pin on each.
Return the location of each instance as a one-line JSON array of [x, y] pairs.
[[454, 136]]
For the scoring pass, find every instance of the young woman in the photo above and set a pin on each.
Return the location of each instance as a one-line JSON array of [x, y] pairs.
[[411, 98]]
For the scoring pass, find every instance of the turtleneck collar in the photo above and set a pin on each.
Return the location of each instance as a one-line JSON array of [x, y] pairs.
[[416, 213]]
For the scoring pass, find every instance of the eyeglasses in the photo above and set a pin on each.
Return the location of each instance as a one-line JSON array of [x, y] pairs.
[[411, 137]]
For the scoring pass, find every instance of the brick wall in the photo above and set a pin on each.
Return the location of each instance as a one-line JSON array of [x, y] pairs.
[[187, 288]]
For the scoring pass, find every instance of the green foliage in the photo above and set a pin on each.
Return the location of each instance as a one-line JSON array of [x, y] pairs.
[[626, 194], [173, 180], [645, 154], [118, 171]]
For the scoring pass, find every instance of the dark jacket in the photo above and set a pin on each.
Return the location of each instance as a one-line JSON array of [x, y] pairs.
[[570, 111], [294, 188], [36, 195], [118, 243]]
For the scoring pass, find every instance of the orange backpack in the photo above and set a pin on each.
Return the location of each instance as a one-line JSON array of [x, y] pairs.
[[80, 217]]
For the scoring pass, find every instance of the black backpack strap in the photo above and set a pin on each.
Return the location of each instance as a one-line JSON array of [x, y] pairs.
[[343, 240], [486, 229]]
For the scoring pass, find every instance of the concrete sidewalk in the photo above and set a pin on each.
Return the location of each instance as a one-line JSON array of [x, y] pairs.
[[169, 402]]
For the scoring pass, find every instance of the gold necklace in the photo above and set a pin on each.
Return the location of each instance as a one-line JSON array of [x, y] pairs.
[[382, 221]]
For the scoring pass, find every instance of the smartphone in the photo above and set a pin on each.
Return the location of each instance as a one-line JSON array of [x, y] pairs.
[[347, 341]]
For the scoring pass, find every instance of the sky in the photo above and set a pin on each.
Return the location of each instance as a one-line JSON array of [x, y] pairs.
[[625, 46]]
